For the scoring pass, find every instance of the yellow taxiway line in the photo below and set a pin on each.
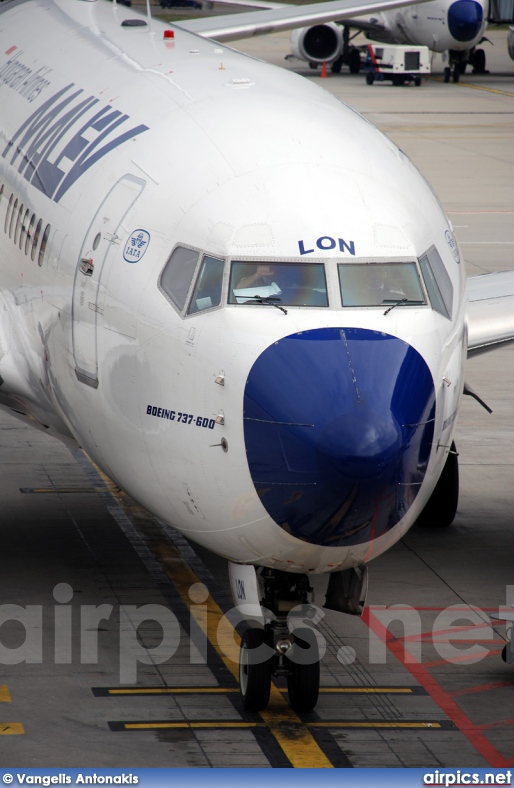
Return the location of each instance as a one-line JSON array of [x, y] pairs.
[[11, 728]]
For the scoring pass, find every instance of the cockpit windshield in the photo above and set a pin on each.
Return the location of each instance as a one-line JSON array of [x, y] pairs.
[[377, 284], [288, 284]]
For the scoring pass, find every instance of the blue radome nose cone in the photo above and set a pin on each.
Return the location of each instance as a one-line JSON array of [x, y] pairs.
[[371, 443], [338, 428], [465, 19]]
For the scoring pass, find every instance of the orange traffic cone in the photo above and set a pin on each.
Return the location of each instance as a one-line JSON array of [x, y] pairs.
[[324, 70]]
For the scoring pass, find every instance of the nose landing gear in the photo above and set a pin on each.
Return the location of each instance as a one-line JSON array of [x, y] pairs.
[[285, 643], [280, 648]]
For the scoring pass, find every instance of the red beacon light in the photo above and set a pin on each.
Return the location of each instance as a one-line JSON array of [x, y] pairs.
[[169, 34]]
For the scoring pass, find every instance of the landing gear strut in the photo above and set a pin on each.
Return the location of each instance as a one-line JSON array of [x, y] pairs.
[[350, 55]]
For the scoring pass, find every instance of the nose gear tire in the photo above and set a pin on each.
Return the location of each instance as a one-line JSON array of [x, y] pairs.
[[254, 672], [304, 672]]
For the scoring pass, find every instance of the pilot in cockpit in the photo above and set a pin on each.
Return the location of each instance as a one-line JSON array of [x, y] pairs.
[[262, 276], [294, 284], [382, 285]]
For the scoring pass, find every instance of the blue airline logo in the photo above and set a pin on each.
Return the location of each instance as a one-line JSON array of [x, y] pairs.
[[327, 243], [62, 139]]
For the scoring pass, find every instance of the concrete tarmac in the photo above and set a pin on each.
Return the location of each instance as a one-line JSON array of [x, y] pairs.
[[433, 692]]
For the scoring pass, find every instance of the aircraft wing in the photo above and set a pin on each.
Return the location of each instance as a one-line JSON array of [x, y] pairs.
[[490, 311], [232, 27]]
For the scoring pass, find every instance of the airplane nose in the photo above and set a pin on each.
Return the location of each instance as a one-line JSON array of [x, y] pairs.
[[338, 426], [465, 19]]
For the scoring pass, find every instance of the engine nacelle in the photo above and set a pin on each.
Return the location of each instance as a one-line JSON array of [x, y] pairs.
[[510, 42], [317, 44]]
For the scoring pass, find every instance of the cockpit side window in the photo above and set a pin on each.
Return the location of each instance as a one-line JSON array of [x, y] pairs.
[[379, 284], [207, 292], [178, 274], [437, 281], [289, 284]]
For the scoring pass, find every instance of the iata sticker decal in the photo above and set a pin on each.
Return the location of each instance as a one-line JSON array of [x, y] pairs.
[[452, 243], [136, 246]]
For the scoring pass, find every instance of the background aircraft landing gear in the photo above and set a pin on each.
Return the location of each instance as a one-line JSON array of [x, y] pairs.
[[454, 72], [352, 59], [350, 55], [337, 65], [441, 508], [457, 66], [477, 60]]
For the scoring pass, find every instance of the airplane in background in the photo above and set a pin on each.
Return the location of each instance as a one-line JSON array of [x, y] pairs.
[[453, 28], [277, 378]]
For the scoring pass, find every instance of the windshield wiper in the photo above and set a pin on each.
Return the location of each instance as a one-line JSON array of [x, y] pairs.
[[271, 300], [399, 303]]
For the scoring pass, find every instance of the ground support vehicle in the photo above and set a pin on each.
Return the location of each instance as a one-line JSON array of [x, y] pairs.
[[398, 64]]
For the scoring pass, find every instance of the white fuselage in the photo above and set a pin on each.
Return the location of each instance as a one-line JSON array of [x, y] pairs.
[[167, 143]]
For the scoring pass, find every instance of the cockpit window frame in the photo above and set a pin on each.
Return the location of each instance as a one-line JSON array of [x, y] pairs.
[[185, 311], [331, 276], [169, 298], [270, 261], [437, 282], [204, 257], [382, 261]]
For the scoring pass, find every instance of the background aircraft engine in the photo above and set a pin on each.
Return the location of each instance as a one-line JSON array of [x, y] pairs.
[[317, 44]]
